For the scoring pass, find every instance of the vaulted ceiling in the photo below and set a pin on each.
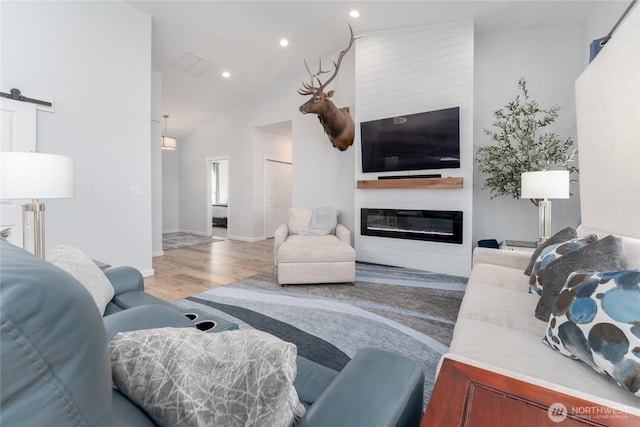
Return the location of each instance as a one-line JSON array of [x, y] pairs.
[[242, 37]]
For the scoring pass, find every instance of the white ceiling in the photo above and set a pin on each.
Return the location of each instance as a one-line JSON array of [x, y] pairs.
[[243, 38]]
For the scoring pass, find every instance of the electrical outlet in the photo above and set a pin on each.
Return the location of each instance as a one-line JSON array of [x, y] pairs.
[[136, 190]]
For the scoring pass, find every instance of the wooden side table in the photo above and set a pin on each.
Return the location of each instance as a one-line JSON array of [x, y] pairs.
[[465, 395]]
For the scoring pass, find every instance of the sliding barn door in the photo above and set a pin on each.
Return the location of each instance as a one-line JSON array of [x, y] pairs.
[[17, 133]]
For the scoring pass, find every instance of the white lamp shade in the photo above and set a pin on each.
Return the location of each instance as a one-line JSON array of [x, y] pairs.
[[35, 176], [168, 143], [545, 185]]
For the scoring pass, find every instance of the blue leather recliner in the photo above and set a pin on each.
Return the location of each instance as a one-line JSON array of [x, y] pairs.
[[55, 367]]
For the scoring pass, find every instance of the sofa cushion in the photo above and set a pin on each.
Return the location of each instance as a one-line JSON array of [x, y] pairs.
[[525, 356], [487, 304], [299, 219], [561, 236], [607, 254], [552, 253], [498, 276], [85, 270], [309, 249], [596, 319], [183, 377]]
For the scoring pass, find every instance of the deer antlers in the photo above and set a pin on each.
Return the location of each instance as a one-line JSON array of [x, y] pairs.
[[309, 88]]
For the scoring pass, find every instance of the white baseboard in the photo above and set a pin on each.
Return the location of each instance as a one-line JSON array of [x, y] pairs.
[[147, 273], [247, 239], [157, 253]]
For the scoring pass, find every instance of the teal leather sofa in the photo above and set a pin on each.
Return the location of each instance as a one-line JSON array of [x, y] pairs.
[[55, 367]]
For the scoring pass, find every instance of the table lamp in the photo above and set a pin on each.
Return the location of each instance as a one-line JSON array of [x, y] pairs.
[[545, 185], [35, 176]]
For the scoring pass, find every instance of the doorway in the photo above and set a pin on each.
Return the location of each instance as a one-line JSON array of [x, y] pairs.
[[277, 192], [218, 208]]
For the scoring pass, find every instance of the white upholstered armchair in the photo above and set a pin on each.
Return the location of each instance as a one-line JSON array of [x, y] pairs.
[[304, 254]]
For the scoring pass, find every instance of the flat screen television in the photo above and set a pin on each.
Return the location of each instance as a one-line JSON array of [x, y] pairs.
[[429, 140]]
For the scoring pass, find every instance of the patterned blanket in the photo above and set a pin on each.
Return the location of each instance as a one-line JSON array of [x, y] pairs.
[[185, 377]]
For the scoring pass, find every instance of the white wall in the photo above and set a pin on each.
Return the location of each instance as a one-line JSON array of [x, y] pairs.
[[267, 145], [156, 164], [171, 188], [412, 70], [550, 59], [229, 136], [94, 60], [608, 105], [322, 175], [603, 16]]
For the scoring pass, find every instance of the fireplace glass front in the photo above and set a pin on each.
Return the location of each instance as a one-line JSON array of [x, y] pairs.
[[436, 226]]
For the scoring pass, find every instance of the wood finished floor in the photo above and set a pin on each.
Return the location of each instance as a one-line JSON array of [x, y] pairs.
[[183, 272]]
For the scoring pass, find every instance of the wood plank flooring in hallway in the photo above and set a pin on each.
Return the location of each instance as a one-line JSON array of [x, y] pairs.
[[183, 272]]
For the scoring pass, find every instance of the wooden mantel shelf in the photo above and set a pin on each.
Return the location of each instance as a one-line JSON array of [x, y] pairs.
[[455, 182]]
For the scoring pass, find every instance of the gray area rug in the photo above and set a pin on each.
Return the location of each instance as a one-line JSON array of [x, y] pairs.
[[183, 240], [407, 311]]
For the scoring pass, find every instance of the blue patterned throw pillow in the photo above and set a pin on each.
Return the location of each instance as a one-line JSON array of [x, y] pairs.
[[596, 319], [552, 253]]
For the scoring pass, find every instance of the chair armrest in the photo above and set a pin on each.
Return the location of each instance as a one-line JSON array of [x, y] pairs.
[[124, 279], [377, 388], [501, 257], [279, 236], [343, 234], [144, 317]]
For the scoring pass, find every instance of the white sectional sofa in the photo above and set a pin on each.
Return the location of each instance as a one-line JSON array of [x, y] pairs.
[[496, 330]]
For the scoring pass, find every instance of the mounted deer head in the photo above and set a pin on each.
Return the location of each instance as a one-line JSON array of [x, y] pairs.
[[337, 122]]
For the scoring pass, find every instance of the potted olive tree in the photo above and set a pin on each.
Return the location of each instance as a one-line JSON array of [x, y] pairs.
[[521, 144]]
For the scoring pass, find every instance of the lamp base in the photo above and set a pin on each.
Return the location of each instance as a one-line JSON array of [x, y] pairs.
[[544, 221], [37, 209]]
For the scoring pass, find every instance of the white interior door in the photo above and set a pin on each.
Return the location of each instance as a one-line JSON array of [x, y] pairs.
[[277, 195], [17, 133]]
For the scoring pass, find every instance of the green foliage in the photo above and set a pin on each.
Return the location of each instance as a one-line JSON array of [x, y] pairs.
[[520, 144]]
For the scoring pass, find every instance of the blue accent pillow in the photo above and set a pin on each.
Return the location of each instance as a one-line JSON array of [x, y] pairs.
[[596, 319], [552, 253], [563, 235]]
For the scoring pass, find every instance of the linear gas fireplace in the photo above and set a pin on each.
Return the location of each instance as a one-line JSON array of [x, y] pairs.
[[435, 226]]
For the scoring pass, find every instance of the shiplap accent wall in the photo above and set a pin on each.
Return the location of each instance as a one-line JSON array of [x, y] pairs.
[[405, 71]]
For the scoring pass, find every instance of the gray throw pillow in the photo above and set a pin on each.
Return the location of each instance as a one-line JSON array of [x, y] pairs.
[[606, 254], [561, 236], [188, 378]]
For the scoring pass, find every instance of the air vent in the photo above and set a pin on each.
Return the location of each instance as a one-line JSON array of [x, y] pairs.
[[192, 64]]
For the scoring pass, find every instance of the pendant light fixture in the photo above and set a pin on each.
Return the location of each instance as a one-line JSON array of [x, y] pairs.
[[168, 143]]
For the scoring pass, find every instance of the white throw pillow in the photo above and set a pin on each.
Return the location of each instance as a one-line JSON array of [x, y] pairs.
[[85, 271]]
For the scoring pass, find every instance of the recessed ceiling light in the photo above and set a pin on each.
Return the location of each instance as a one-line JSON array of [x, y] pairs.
[[226, 74], [354, 13], [284, 42]]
